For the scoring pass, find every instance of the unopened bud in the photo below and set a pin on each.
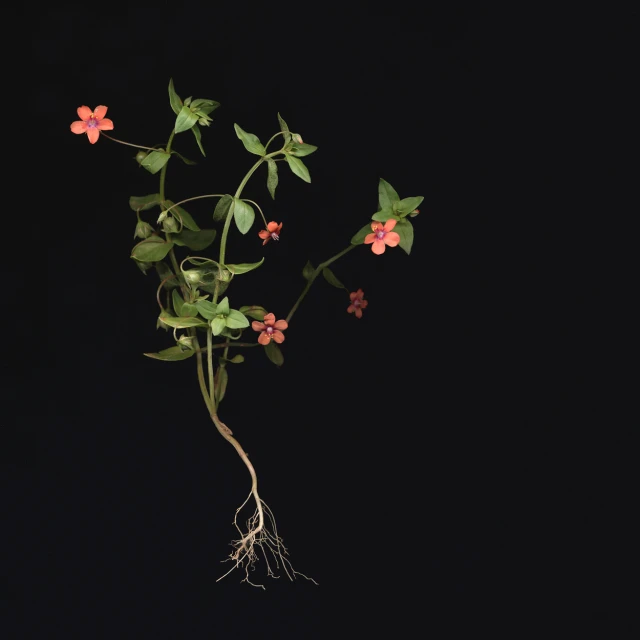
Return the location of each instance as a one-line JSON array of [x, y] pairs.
[[414, 213], [170, 225], [193, 276], [140, 156], [186, 341], [143, 230], [297, 137]]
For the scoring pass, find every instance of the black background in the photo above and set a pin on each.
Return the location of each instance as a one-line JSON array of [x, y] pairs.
[[415, 459]]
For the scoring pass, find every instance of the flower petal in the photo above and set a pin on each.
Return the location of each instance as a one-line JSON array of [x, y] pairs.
[[264, 339], [281, 324], [378, 247], [264, 234], [392, 238], [258, 326], [376, 226], [353, 295], [358, 313], [84, 113], [272, 226], [364, 304], [105, 124], [269, 319], [389, 224], [351, 308], [100, 112], [369, 238], [93, 135], [278, 336], [360, 294], [79, 126]]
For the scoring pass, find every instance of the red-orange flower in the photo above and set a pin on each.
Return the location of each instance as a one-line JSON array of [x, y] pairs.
[[272, 232], [358, 303], [270, 329], [382, 235], [92, 122]]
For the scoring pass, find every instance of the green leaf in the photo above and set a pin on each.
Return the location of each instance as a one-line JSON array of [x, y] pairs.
[[272, 177], [174, 98], [331, 279], [185, 120], [274, 354], [142, 203], [308, 270], [196, 240], [237, 269], [384, 215], [217, 325], [386, 195], [185, 160], [220, 385], [407, 205], [222, 208], [155, 161], [301, 150], [151, 250], [178, 302], [198, 136], [207, 309], [172, 354], [358, 238], [404, 229], [236, 320], [181, 323], [204, 106], [243, 214], [223, 307], [237, 359], [254, 311], [180, 213], [189, 310], [298, 167], [164, 272], [284, 127], [250, 141]]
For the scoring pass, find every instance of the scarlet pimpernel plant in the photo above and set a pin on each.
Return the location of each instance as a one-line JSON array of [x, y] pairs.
[[195, 278]]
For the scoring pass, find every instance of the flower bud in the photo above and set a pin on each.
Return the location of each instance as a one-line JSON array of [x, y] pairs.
[[186, 341], [169, 225], [193, 276], [414, 213], [140, 156], [143, 230]]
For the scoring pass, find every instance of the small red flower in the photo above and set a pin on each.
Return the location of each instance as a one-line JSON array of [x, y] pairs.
[[382, 235], [358, 303], [270, 329], [272, 232], [92, 122]]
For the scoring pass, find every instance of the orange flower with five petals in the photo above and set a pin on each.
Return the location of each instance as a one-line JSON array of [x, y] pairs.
[[270, 329], [382, 236], [272, 232], [358, 303], [92, 122]]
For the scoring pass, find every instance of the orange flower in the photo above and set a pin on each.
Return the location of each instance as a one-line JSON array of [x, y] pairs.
[[272, 232], [358, 303], [92, 122], [270, 329], [382, 236]]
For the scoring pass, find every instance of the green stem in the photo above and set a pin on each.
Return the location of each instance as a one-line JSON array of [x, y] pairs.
[[163, 171], [201, 380], [314, 275], [210, 368], [135, 146]]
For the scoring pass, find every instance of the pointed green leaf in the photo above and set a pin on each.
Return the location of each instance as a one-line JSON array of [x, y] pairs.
[[220, 385], [217, 325], [274, 354], [358, 238], [284, 127], [407, 205], [308, 270], [178, 302], [142, 203], [331, 279], [250, 141], [181, 323], [222, 208], [386, 195], [384, 215], [180, 214], [254, 311], [236, 320], [185, 120], [185, 160], [189, 310], [207, 309], [166, 275], [155, 161], [202, 105], [237, 269], [172, 354], [243, 214], [301, 150], [198, 136], [223, 307], [237, 359], [174, 98], [404, 229], [151, 250], [298, 167], [272, 177], [196, 240]]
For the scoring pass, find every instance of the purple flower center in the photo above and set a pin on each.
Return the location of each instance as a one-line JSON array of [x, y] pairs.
[[381, 234], [275, 236], [357, 303], [269, 330], [92, 122]]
